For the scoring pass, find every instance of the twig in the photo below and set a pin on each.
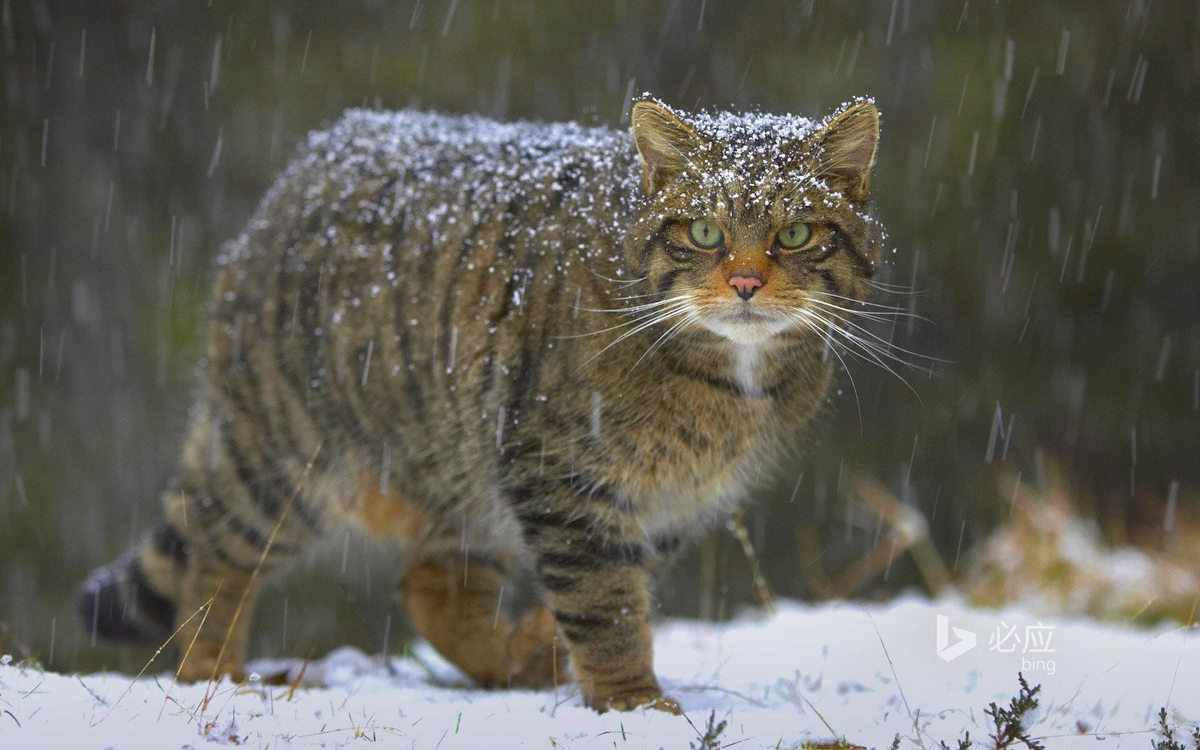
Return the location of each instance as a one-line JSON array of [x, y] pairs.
[[795, 693], [99, 700], [207, 607], [237, 613], [191, 713], [151, 661], [737, 527], [896, 677], [554, 670], [31, 690], [910, 531], [303, 668]]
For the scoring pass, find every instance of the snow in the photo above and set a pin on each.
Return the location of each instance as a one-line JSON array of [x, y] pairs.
[[866, 671], [749, 135], [372, 166]]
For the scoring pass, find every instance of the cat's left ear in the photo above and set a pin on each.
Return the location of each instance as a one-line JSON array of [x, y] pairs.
[[663, 141], [847, 150]]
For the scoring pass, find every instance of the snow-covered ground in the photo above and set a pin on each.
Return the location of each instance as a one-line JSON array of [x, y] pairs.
[[864, 673]]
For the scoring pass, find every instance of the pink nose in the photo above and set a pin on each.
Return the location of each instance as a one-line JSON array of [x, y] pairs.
[[745, 284]]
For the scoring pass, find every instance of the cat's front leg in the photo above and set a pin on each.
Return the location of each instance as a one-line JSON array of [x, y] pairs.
[[597, 586]]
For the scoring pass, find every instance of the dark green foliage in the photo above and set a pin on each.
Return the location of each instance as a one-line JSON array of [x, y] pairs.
[[963, 744], [1010, 722], [1167, 733], [710, 740]]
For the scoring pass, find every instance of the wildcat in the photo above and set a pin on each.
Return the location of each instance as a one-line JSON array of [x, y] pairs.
[[507, 345]]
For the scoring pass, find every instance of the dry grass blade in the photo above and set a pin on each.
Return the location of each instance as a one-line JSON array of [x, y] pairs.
[[798, 698], [175, 679], [910, 531], [303, 668], [554, 670], [202, 608], [95, 696], [237, 613]]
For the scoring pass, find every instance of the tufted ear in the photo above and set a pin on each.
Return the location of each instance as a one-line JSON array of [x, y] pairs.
[[847, 150], [663, 141]]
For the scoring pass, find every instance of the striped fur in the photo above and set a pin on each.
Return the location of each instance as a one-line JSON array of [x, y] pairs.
[[461, 333]]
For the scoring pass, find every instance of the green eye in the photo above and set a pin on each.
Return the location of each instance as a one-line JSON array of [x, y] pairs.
[[704, 233], [795, 235]]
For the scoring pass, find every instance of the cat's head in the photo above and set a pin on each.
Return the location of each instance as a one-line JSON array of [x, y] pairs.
[[755, 224]]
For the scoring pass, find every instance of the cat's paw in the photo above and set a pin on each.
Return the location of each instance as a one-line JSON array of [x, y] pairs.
[[205, 667], [648, 698], [534, 660]]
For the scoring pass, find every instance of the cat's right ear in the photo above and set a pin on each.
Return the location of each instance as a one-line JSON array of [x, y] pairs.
[[663, 141], [848, 149]]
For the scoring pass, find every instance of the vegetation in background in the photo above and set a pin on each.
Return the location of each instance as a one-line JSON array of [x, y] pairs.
[[1037, 174]]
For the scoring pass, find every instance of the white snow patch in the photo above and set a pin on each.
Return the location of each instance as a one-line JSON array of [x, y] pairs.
[[768, 679]]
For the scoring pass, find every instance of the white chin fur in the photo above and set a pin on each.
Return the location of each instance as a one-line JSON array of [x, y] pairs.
[[748, 332], [746, 337]]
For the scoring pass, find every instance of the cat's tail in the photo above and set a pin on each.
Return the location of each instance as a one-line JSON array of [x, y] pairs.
[[134, 598]]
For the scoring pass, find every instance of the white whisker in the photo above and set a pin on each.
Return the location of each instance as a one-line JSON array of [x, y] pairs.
[[900, 289], [865, 349], [652, 294], [655, 318], [636, 308], [884, 345], [646, 314], [880, 315], [807, 317], [863, 303], [664, 338], [623, 282]]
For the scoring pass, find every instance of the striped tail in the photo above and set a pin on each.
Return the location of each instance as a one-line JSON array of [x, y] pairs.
[[133, 599]]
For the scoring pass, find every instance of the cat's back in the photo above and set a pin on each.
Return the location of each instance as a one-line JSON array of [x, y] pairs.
[[395, 198], [408, 264], [378, 168]]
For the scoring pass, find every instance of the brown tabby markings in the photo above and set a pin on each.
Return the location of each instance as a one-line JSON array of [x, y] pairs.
[[510, 352]]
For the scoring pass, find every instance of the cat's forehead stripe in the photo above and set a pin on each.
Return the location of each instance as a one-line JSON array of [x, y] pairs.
[[754, 179], [759, 152]]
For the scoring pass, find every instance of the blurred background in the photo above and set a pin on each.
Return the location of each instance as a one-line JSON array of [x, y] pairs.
[[1039, 175]]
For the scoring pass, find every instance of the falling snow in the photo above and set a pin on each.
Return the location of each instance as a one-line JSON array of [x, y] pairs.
[[1037, 173]]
